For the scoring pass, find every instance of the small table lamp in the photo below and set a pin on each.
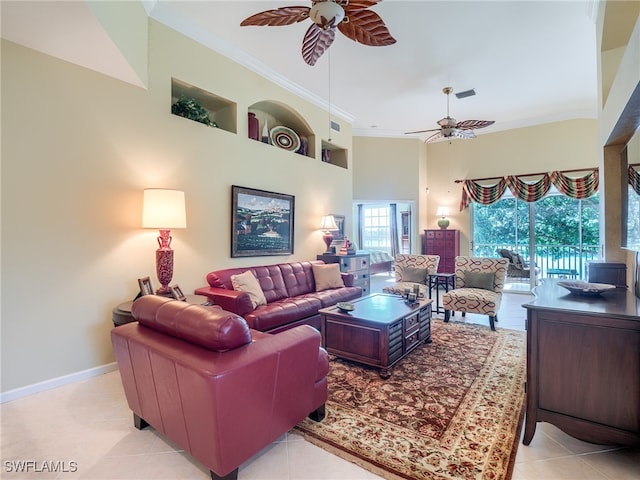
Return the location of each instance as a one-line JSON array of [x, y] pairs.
[[164, 210], [327, 224], [443, 221]]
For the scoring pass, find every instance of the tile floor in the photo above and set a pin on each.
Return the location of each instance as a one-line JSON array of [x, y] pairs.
[[85, 431]]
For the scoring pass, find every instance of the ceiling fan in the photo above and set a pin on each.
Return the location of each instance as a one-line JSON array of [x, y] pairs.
[[450, 128], [351, 17]]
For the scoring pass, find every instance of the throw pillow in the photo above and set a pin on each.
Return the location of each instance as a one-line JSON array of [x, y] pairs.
[[327, 276], [479, 280], [247, 282], [415, 275]]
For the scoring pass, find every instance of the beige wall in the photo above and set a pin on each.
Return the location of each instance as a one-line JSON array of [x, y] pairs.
[[387, 169], [619, 92], [79, 147]]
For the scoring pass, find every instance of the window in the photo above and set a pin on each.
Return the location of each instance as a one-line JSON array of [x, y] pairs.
[[558, 234], [376, 234]]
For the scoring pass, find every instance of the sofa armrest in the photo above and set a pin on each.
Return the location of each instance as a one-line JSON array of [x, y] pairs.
[[230, 300], [347, 278]]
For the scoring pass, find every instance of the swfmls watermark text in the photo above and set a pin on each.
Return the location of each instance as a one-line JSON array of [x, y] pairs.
[[40, 466]]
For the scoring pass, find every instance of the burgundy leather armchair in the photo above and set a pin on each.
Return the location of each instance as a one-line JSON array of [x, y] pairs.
[[217, 389]]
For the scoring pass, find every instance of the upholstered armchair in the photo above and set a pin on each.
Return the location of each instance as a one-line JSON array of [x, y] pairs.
[[413, 270], [479, 284]]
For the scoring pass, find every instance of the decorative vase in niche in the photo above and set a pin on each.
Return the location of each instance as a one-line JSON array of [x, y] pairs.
[[254, 127], [265, 133], [304, 146]]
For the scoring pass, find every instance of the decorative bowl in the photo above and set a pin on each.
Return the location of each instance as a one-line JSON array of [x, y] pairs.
[[345, 306], [586, 288], [285, 138]]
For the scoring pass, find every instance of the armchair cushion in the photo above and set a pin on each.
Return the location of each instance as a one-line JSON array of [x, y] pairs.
[[479, 280], [415, 275], [327, 276], [247, 282]]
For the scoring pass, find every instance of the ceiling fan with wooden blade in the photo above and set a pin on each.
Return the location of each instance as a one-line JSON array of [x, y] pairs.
[[450, 128], [351, 17]]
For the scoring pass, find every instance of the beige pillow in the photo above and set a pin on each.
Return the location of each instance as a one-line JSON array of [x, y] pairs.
[[327, 276], [247, 282]]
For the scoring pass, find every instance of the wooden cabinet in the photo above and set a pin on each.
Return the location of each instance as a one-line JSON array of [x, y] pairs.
[[357, 265], [583, 364], [443, 242]]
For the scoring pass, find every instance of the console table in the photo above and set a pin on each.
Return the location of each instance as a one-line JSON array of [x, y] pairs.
[[583, 364]]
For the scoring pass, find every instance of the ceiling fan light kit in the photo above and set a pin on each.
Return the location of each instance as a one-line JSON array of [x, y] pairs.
[[351, 17], [450, 127], [326, 14]]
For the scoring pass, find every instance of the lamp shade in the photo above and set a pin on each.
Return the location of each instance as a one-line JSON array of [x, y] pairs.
[[442, 211], [328, 223], [163, 209]]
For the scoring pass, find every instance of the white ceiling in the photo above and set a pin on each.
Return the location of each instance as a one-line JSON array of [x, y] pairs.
[[530, 62]]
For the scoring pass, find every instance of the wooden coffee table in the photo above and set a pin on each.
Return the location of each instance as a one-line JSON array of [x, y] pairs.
[[380, 330]]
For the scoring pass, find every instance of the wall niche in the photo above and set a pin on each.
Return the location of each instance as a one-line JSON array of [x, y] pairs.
[[222, 112], [275, 115]]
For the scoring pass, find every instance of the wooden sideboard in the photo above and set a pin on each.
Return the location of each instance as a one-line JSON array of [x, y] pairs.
[[583, 364], [446, 244]]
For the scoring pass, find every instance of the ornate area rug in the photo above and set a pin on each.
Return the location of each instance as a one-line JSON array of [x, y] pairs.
[[451, 409]]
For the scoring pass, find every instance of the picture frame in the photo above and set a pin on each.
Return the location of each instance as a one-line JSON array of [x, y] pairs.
[[261, 222], [145, 286], [176, 292], [338, 235]]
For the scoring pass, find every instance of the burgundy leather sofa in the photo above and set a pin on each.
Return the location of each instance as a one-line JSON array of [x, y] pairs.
[[290, 291], [217, 389]]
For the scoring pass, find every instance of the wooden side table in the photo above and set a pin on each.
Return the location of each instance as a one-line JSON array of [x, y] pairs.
[[122, 313]]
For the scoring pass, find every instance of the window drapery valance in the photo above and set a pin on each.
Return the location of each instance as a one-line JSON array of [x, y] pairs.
[[530, 191], [634, 179]]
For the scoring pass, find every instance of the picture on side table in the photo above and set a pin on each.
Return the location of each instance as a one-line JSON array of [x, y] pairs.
[[262, 222], [145, 286], [176, 292]]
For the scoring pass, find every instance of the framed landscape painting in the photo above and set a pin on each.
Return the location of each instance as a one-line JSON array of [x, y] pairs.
[[262, 222]]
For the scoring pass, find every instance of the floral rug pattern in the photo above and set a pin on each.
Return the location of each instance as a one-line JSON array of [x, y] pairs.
[[451, 409]]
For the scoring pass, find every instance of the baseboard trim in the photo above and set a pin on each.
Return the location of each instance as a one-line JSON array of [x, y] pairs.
[[56, 382]]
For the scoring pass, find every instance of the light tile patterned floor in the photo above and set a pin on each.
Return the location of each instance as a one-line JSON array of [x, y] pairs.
[[90, 424]]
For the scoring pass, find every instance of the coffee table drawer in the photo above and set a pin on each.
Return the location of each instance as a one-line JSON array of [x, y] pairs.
[[411, 340], [412, 322]]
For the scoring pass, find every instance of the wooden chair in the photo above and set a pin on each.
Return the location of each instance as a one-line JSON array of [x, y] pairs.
[[479, 284], [408, 267]]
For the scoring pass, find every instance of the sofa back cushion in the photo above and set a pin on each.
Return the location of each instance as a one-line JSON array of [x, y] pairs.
[[222, 278], [209, 327], [271, 282], [298, 277]]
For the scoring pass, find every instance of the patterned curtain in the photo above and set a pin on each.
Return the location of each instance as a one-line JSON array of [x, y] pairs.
[[578, 188], [529, 192], [634, 179], [485, 195]]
